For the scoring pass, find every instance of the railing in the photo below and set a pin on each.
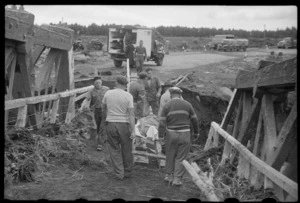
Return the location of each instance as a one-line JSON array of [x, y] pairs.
[[251, 167], [21, 104]]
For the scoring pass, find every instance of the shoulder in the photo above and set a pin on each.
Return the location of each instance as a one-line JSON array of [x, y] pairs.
[[105, 88]]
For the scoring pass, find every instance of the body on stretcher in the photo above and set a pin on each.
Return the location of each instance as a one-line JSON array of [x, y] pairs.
[[145, 147]]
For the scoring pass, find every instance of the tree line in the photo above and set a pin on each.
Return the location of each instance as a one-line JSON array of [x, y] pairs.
[[180, 31]]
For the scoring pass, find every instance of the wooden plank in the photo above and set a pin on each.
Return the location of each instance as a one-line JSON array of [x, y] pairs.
[[71, 110], [269, 124], [209, 143], [285, 183], [159, 156], [64, 83], [227, 146], [287, 137], [253, 117], [18, 28], [246, 113], [276, 75], [237, 126], [48, 38], [11, 104], [80, 97], [255, 176], [54, 111], [215, 139], [48, 79], [258, 135], [12, 77], [57, 64], [230, 108], [206, 188], [22, 114]]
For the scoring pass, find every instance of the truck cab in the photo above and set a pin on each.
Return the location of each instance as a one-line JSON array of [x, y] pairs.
[[119, 38], [287, 42]]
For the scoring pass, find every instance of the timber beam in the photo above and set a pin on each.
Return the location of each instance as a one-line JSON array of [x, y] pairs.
[[19, 26], [276, 75]]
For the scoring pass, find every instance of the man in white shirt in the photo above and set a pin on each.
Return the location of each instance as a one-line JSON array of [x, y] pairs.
[[118, 106]]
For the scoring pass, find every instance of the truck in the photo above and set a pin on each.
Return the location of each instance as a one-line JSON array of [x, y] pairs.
[[119, 38], [228, 43], [287, 42]]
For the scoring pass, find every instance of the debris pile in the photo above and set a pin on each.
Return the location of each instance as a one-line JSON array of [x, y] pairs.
[[29, 151], [225, 180]]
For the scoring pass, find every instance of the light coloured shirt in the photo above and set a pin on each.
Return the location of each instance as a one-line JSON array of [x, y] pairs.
[[118, 102]]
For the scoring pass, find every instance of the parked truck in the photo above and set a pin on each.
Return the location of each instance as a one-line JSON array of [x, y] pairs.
[[228, 43], [287, 43], [119, 38]]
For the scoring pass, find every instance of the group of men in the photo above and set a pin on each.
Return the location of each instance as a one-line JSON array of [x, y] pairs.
[[117, 111]]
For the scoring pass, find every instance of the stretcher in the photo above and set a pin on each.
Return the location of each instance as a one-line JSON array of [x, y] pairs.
[[147, 150]]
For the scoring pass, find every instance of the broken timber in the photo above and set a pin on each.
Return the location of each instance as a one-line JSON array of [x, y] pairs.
[[24, 45], [265, 145]]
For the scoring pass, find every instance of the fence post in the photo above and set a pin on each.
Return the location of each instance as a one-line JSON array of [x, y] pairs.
[[22, 114], [54, 111]]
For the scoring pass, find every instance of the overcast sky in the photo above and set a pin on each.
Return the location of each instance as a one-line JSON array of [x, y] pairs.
[[237, 17]]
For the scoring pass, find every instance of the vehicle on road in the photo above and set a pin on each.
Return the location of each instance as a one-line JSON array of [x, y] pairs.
[[119, 38], [287, 43], [228, 43]]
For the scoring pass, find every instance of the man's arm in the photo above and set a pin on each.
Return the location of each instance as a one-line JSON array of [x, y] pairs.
[[131, 117], [104, 106], [162, 122], [159, 88]]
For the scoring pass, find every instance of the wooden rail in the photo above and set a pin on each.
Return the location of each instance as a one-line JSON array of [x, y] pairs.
[[21, 104], [248, 161]]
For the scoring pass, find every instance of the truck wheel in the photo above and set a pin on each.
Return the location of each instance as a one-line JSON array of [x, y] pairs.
[[286, 46], [244, 49], [118, 63]]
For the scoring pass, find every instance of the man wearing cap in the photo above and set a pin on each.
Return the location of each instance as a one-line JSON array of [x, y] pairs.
[[137, 90], [176, 117], [165, 97], [120, 127], [95, 97], [153, 91], [140, 55]]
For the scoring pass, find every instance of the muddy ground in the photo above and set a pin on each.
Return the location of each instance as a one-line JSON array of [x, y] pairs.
[[74, 180]]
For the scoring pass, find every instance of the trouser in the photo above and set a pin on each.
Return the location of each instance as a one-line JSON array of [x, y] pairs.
[[100, 131], [120, 148], [139, 60], [178, 145], [154, 106]]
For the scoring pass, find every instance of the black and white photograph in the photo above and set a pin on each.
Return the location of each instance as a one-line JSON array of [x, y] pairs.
[[151, 102]]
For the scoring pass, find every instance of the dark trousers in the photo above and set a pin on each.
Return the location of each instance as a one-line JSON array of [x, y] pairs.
[[98, 118], [120, 148], [154, 106], [178, 145], [139, 60], [100, 132]]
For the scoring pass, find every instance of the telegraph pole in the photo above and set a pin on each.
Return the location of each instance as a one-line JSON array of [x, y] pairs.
[[265, 34]]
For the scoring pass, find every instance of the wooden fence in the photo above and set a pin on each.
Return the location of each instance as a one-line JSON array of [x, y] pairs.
[[21, 105], [264, 135]]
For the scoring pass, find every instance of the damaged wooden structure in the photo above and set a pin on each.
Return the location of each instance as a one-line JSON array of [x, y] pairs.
[[263, 112], [24, 45]]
